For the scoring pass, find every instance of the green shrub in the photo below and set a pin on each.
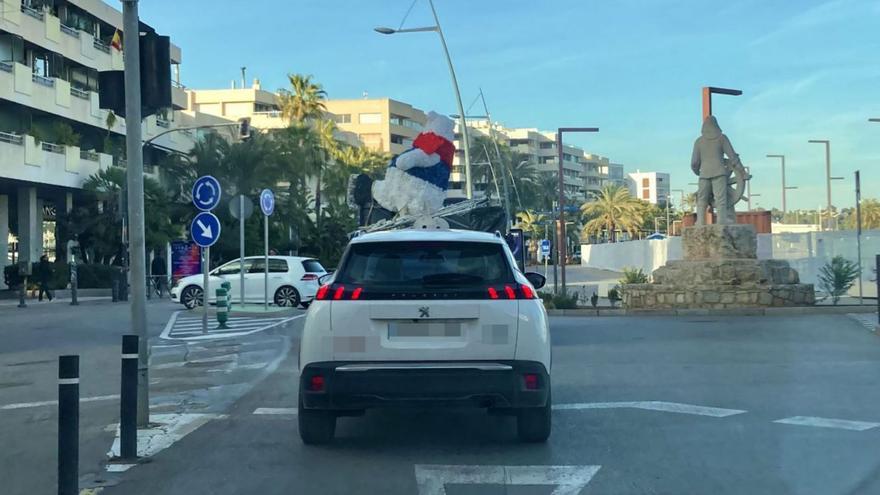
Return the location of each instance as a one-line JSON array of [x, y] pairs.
[[565, 301], [95, 276], [632, 275], [837, 277], [614, 295]]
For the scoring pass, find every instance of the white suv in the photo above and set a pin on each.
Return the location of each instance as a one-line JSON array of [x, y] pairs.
[[439, 317], [293, 281]]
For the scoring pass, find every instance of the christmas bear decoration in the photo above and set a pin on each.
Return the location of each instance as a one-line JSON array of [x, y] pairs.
[[416, 180]]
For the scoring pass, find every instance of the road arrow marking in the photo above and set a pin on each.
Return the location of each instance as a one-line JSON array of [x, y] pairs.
[[568, 480], [842, 424], [206, 229]]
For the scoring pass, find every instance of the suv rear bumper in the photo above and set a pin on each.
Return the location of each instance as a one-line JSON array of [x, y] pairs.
[[362, 385]]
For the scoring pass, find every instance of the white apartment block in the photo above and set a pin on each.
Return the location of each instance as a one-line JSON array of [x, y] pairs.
[[652, 187], [50, 55], [582, 175]]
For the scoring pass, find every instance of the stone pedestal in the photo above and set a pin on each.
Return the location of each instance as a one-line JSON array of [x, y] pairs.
[[720, 270]]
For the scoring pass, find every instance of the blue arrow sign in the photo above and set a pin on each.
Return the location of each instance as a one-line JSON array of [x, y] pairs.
[[205, 229], [267, 201], [206, 193]]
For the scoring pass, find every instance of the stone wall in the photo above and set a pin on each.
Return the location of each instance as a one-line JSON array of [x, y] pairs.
[[653, 296]]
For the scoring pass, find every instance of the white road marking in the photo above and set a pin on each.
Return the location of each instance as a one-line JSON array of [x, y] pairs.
[[568, 480], [189, 328], [841, 424], [26, 405], [673, 407], [275, 410], [150, 441]]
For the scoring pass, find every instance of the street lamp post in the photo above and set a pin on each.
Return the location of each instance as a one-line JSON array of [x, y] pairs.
[[828, 177], [708, 91], [784, 187], [469, 187], [561, 241]]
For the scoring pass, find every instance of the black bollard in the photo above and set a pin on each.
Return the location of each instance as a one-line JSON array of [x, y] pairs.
[[115, 288], [128, 398], [68, 425]]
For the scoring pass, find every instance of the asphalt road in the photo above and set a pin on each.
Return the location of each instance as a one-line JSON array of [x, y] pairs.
[[187, 376], [775, 405]]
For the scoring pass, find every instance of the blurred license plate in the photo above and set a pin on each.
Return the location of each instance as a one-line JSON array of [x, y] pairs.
[[406, 330]]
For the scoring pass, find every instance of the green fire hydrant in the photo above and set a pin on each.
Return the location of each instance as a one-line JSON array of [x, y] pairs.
[[222, 309]]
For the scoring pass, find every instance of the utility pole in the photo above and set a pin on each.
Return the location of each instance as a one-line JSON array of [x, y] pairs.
[[135, 182]]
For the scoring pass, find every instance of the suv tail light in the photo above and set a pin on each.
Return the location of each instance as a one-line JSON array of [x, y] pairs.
[[309, 277], [338, 292], [510, 291]]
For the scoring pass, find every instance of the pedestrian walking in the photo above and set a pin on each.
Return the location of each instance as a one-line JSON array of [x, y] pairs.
[[160, 274], [44, 275]]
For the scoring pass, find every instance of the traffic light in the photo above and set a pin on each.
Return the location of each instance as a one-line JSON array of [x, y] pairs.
[[244, 128], [155, 68]]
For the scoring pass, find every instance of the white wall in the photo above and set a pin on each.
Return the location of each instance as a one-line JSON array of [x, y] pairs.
[[806, 252]]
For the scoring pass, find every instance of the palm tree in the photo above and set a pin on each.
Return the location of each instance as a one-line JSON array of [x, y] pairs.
[[303, 101], [870, 215], [613, 208], [532, 224]]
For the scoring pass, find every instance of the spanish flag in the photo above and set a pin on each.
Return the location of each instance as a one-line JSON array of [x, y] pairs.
[[116, 42]]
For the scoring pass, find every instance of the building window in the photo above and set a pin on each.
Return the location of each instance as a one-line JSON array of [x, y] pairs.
[[343, 118], [398, 139], [646, 194], [546, 159], [646, 182], [547, 146], [370, 118], [518, 142]]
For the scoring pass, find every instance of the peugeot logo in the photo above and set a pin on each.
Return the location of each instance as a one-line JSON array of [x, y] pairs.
[[424, 312]]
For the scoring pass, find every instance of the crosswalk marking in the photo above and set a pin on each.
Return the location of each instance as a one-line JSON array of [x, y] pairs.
[[190, 327]]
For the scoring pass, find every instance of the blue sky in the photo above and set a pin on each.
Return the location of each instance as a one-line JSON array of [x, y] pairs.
[[809, 70]]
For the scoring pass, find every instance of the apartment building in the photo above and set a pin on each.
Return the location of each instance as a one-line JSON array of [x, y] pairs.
[[596, 173], [582, 174], [261, 106], [381, 124], [53, 135], [652, 187], [612, 174]]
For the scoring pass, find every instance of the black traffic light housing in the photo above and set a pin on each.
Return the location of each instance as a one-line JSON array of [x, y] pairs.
[[244, 128], [155, 68]]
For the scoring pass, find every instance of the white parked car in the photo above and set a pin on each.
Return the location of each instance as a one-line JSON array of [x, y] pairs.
[[293, 281], [440, 317]]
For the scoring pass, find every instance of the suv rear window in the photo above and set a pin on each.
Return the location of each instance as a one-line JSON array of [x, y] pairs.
[[425, 265], [313, 266]]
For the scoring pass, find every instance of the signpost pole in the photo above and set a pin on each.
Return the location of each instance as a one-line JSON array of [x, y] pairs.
[[241, 248], [206, 256], [266, 264]]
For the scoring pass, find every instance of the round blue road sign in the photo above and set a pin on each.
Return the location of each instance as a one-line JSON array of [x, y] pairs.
[[267, 201], [206, 193], [205, 229]]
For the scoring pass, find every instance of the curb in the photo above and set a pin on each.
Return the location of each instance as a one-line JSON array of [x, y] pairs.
[[780, 311]]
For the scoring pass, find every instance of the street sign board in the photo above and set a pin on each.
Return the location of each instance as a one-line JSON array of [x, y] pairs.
[[236, 206], [206, 193], [205, 229], [267, 201], [545, 247]]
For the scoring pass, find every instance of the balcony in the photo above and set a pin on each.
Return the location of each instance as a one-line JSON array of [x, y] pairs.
[[45, 81], [70, 31], [45, 29], [80, 93], [47, 163]]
